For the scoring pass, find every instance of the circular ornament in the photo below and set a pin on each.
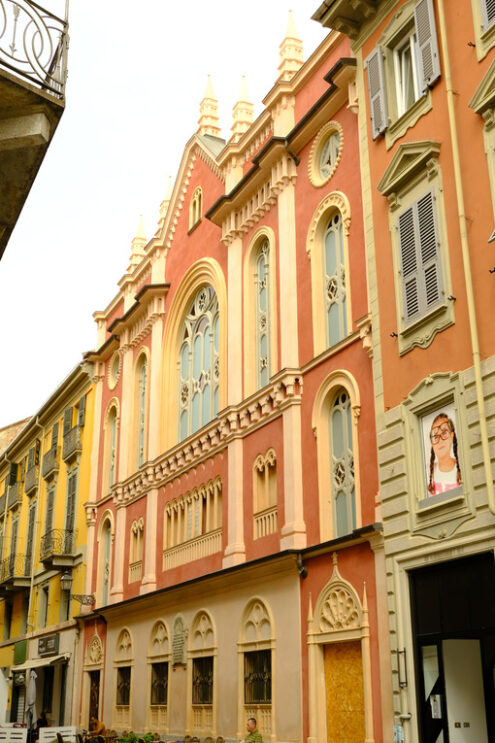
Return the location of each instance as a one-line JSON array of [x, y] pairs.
[[326, 153]]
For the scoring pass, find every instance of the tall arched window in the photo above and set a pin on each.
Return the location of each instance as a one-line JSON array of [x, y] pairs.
[[106, 551], [199, 363], [141, 380], [342, 465], [334, 283], [110, 469], [262, 287]]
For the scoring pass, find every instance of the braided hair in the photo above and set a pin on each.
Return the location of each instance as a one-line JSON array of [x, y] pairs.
[[450, 423]]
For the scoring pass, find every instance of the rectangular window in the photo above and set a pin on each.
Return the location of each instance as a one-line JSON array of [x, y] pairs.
[[29, 542], [7, 619], [48, 677], [124, 686], [488, 13], [258, 677], [70, 511], [406, 73], [50, 502], [202, 681], [159, 683], [442, 463], [54, 441]]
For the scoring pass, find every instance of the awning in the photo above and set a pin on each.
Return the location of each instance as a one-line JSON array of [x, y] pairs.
[[37, 662]]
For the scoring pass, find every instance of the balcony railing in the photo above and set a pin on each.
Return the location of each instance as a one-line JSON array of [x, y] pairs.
[[31, 481], [194, 549], [135, 571], [13, 567], [57, 543], [15, 495], [265, 522], [72, 443], [3, 499], [33, 44], [50, 462]]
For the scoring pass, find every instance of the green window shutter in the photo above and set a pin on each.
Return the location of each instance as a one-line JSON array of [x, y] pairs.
[[488, 12], [430, 257], [31, 458], [81, 412], [426, 33], [377, 92], [67, 420], [50, 502], [54, 436], [409, 264]]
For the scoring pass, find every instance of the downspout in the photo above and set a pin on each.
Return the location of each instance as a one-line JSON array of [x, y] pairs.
[[466, 262]]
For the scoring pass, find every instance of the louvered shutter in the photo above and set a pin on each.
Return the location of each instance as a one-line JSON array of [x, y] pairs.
[[488, 12], [54, 436], [31, 458], [378, 100], [430, 258], [13, 473], [426, 34], [409, 264], [82, 412], [50, 498], [67, 420]]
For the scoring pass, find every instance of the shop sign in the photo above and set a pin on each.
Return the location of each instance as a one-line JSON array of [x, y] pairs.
[[48, 645]]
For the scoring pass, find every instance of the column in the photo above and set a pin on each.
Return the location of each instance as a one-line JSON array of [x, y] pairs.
[[117, 589], [288, 272], [150, 545], [294, 530], [235, 551]]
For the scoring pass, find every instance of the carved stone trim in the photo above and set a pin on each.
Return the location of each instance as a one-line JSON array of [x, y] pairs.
[[338, 607]]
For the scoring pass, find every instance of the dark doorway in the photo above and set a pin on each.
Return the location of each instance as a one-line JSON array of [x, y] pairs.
[[453, 614], [94, 694]]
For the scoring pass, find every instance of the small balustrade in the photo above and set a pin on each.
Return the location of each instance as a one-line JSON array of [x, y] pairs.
[[13, 567], [193, 549], [262, 713], [203, 718], [135, 571], [72, 443], [157, 717], [51, 462], [265, 522]]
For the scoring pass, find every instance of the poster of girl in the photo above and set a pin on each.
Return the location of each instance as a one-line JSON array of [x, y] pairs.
[[443, 470]]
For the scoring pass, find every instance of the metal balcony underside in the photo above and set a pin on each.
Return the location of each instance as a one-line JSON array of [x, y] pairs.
[[33, 62], [50, 462], [31, 481]]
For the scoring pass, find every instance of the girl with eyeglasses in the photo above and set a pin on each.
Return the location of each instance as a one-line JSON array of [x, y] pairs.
[[445, 471]]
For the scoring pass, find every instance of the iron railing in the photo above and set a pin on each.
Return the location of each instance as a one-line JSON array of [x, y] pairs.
[[57, 542], [3, 498], [50, 461], [13, 566], [31, 480], [15, 494], [72, 443], [33, 44]]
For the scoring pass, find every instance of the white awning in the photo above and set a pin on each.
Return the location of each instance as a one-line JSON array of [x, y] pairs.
[[37, 662]]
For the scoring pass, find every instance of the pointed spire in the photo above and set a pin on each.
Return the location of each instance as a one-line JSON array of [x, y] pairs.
[[138, 245], [164, 205], [291, 51], [242, 113], [310, 608], [208, 122]]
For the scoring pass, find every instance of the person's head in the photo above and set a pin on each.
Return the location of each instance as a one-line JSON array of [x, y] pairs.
[[443, 440], [251, 724]]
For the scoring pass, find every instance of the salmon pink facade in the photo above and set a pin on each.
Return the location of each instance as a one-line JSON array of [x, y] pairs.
[[233, 552]]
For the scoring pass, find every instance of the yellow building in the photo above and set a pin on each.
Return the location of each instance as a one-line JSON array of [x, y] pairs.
[[44, 481]]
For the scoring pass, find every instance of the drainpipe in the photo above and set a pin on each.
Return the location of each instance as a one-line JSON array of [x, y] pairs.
[[466, 262]]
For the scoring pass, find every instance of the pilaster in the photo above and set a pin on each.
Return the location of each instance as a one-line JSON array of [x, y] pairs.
[[155, 408], [235, 551], [126, 432], [289, 341], [149, 580], [234, 301], [117, 590], [294, 530]]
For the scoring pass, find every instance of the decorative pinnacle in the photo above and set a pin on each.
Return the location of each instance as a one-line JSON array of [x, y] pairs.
[[243, 112], [164, 206], [208, 122], [138, 245], [291, 51]]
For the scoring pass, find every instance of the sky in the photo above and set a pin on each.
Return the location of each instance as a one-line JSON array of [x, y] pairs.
[[137, 74]]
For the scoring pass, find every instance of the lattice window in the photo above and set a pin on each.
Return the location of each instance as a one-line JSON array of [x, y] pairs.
[[342, 465], [136, 551], [111, 446], [123, 685], [334, 283], [202, 680], [258, 677], [256, 643], [195, 207], [198, 363], [262, 286], [265, 494]]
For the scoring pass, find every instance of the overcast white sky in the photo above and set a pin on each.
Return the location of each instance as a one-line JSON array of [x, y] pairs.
[[137, 73]]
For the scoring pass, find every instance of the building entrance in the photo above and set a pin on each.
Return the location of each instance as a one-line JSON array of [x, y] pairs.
[[344, 692], [453, 613]]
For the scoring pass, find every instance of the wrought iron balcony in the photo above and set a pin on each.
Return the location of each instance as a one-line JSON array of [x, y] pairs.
[[13, 574], [31, 481], [15, 495], [33, 44], [33, 70], [72, 443], [58, 547], [50, 462]]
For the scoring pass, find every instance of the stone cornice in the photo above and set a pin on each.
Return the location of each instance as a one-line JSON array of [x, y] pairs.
[[409, 159], [236, 421]]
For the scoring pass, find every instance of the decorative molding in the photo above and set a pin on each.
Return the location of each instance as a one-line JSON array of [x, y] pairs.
[[94, 651], [233, 422], [334, 200], [409, 160], [338, 607], [327, 129]]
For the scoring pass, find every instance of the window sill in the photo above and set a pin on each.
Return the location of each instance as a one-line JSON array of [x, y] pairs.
[[448, 499], [400, 126], [485, 42], [422, 331]]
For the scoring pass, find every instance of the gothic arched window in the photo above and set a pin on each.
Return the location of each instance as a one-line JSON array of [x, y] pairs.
[[334, 284], [199, 363], [342, 465], [262, 286]]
